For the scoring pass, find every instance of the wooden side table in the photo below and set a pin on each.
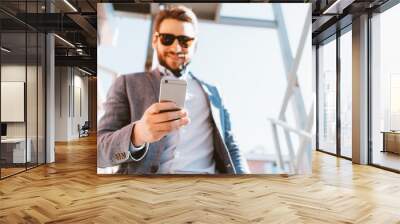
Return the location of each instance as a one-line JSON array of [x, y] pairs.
[[391, 141]]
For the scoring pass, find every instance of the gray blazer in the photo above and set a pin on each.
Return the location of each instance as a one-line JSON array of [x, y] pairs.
[[127, 100]]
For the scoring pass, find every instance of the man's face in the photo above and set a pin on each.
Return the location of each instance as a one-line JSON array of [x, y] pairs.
[[174, 55]]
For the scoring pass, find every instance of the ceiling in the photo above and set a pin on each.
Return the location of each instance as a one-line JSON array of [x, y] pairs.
[[326, 13], [332, 15], [77, 23]]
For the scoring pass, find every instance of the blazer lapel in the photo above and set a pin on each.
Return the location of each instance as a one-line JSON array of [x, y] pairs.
[[154, 78]]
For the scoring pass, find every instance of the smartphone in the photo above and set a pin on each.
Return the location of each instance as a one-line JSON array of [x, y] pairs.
[[173, 90]]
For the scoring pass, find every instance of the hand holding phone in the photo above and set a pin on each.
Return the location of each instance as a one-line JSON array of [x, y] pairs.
[[155, 124], [165, 116]]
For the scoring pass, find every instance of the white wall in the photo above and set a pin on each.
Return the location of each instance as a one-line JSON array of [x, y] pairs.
[[61, 103], [79, 117], [67, 116]]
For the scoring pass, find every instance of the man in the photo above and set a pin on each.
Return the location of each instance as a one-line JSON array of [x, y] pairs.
[[135, 135]]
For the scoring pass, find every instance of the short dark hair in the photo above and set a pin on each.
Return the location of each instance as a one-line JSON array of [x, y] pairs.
[[180, 13]]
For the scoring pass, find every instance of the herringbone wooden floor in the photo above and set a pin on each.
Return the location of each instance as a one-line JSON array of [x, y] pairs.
[[69, 191]]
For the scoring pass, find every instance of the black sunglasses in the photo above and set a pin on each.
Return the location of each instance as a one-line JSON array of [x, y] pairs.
[[168, 39]]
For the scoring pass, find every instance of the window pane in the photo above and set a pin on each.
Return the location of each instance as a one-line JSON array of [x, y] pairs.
[[31, 98], [327, 97], [41, 99], [13, 85], [346, 94], [386, 89]]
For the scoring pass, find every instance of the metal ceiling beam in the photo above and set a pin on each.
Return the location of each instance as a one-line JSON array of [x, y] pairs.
[[381, 6], [142, 8], [259, 23], [83, 61], [91, 6], [320, 22], [330, 30], [86, 26], [16, 18], [49, 22], [64, 6], [337, 7], [339, 15]]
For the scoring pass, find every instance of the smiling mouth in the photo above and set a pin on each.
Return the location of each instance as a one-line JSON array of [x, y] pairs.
[[177, 56]]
